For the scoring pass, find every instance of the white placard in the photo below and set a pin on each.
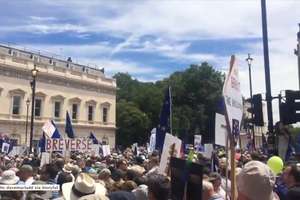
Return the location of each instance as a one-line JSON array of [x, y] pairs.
[[5, 147], [17, 150], [197, 142], [208, 150], [170, 140], [106, 150], [152, 142], [220, 130], [233, 98]]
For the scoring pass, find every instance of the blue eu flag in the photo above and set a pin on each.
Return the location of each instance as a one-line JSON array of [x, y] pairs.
[[69, 128], [164, 121], [42, 142], [92, 137]]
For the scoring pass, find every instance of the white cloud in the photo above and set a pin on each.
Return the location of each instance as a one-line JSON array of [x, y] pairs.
[[174, 26]]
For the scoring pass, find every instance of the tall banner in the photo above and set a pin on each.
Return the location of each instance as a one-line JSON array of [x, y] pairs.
[[233, 115], [233, 99]]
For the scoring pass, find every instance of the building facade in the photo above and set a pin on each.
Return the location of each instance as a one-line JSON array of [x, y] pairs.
[[86, 93]]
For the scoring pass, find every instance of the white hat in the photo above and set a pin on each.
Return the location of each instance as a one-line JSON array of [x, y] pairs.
[[256, 181], [68, 167], [141, 192], [83, 186], [9, 178]]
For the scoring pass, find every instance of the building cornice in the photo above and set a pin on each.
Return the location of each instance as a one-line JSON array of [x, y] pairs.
[[9, 71]]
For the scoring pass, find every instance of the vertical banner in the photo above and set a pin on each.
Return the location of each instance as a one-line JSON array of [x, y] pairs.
[[233, 115]]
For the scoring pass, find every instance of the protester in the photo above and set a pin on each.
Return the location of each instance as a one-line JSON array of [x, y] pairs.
[[216, 180], [291, 177], [158, 187], [256, 181], [26, 175], [283, 139], [48, 174], [132, 175], [83, 186], [208, 192]]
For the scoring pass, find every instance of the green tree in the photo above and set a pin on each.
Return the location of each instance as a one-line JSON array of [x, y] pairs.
[[195, 93], [132, 124]]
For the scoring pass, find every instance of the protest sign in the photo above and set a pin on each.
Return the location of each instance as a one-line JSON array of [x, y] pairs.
[[197, 142], [208, 150], [220, 130], [68, 144], [186, 179], [152, 142], [5, 147], [172, 146], [106, 150], [233, 99], [18, 150]]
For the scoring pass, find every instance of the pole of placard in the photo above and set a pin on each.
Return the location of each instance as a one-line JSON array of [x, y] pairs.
[[232, 143], [232, 165], [226, 154]]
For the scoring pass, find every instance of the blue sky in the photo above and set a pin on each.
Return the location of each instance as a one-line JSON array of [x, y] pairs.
[[151, 39]]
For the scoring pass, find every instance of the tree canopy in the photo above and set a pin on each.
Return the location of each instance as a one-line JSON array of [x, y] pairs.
[[195, 94]]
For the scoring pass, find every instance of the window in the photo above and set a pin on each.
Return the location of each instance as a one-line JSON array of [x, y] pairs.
[[74, 111], [38, 107], [90, 113], [57, 109], [104, 115], [16, 105]]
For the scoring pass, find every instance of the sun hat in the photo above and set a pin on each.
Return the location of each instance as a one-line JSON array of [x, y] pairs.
[[256, 181], [9, 178], [84, 185], [105, 172]]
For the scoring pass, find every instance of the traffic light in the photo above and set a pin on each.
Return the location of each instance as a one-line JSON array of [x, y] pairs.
[[256, 110], [290, 110]]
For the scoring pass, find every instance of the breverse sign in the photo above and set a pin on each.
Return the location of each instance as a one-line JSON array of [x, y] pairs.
[[68, 144]]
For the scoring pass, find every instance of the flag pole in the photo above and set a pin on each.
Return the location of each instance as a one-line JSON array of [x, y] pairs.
[[170, 94]]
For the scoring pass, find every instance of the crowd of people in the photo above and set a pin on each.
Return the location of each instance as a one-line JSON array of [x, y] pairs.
[[125, 175]]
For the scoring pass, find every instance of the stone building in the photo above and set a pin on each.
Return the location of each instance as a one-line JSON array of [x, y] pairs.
[[61, 85]]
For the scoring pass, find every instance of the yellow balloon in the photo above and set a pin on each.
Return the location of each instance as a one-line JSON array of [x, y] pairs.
[[276, 164]]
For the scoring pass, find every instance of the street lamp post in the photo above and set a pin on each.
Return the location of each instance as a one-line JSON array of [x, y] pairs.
[[249, 61], [34, 72], [27, 110], [297, 53]]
